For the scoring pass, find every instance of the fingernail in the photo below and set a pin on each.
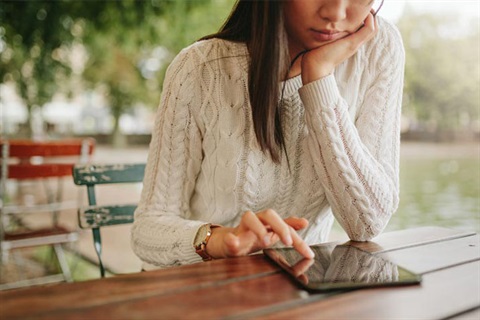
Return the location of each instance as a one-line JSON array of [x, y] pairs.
[[311, 255], [266, 240], [288, 240]]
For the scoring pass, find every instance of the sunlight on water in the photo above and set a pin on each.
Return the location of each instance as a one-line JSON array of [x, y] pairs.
[[442, 192]]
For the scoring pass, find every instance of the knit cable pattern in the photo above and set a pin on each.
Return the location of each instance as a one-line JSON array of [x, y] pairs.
[[204, 164]]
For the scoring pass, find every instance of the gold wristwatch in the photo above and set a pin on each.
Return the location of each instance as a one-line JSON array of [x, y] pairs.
[[201, 240]]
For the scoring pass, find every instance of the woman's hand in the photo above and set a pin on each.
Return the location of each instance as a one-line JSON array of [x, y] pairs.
[[256, 232], [320, 62], [298, 270]]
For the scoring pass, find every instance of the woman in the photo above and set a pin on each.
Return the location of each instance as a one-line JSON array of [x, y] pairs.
[[286, 118]]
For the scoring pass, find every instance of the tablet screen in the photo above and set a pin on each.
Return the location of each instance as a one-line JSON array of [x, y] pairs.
[[339, 267]]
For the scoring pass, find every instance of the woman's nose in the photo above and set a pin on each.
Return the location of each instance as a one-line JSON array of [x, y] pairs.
[[333, 10]]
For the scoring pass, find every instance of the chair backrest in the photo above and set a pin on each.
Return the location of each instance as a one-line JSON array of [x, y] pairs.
[[94, 217], [26, 159], [32, 160], [38, 160]]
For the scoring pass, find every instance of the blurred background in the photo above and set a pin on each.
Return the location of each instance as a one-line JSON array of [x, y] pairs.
[[96, 68]]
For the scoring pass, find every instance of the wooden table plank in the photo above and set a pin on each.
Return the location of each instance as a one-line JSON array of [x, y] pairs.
[[438, 255], [262, 293], [469, 315], [442, 294], [131, 286], [420, 259], [410, 238], [203, 303], [202, 279]]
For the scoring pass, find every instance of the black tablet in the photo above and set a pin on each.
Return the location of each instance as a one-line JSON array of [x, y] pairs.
[[340, 267]]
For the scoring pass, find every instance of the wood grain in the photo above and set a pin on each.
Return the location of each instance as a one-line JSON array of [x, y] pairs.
[[442, 294], [438, 255], [203, 303], [469, 315], [129, 287], [421, 259], [19, 148], [253, 287], [409, 238]]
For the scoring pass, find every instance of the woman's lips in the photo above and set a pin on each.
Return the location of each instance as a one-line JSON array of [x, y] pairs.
[[325, 35]]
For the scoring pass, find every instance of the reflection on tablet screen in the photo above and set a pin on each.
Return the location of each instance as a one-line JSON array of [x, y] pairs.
[[340, 267]]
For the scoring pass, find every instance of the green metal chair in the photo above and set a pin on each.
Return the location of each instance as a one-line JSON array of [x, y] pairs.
[[94, 217]]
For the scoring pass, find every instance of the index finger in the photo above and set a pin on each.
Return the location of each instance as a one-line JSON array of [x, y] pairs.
[[277, 225], [301, 246], [301, 268]]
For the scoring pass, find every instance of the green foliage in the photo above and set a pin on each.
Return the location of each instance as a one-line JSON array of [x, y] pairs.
[[37, 39], [127, 34], [122, 40], [442, 71]]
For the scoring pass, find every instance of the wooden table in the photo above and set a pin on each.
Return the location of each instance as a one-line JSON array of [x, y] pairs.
[[252, 287]]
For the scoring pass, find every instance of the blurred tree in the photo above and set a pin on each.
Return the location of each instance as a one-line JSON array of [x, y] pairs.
[[131, 42], [34, 46], [121, 39], [442, 77], [116, 34]]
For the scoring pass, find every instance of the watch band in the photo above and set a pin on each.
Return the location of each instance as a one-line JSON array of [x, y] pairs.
[[201, 249]]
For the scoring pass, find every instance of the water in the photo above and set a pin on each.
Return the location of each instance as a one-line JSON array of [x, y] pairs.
[[440, 186]]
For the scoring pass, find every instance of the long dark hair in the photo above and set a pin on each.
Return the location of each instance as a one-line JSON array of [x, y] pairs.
[[260, 25]]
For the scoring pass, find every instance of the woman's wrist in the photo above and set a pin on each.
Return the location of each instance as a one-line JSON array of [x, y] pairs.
[[215, 243], [313, 71], [323, 92]]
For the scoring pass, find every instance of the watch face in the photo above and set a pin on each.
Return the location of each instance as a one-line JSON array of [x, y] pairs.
[[201, 235]]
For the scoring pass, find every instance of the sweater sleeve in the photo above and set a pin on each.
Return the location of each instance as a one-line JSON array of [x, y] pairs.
[[358, 160], [162, 233]]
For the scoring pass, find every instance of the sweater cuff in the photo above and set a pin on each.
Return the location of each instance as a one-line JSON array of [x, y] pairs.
[[187, 248], [324, 90], [184, 247]]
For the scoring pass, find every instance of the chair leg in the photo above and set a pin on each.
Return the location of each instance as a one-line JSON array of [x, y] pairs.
[[5, 254], [52, 198], [97, 243], [63, 262], [21, 269]]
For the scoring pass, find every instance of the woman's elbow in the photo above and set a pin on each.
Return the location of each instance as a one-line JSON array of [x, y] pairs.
[[374, 226], [366, 233]]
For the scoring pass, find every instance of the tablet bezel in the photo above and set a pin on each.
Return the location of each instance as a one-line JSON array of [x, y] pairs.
[[408, 277]]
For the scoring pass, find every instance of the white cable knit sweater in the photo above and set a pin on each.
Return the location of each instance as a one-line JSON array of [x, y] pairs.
[[342, 137]]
